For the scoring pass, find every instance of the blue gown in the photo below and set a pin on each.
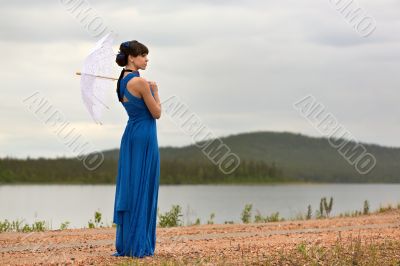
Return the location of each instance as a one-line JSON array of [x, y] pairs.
[[136, 194]]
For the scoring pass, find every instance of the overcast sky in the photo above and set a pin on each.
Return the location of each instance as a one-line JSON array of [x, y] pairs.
[[238, 65]]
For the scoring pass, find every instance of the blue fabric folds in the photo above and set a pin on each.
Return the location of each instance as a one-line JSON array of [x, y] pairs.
[[136, 194]]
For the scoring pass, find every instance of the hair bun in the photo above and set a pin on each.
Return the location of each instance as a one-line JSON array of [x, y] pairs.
[[121, 59]]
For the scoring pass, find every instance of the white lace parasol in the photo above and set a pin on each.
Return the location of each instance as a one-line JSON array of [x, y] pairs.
[[96, 77]]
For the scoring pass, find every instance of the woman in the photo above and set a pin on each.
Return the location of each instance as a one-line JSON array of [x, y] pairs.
[[136, 196]]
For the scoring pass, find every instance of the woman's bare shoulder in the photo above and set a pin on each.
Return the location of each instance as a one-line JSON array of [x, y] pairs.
[[137, 81], [138, 84]]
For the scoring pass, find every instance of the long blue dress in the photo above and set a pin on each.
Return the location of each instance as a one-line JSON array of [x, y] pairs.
[[136, 194]]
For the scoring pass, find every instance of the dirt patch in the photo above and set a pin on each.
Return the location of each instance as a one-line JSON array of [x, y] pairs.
[[205, 244]]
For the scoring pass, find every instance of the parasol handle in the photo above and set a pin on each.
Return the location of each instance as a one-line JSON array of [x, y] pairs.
[[97, 76]]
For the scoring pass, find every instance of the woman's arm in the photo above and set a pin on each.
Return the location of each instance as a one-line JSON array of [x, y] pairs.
[[152, 103]]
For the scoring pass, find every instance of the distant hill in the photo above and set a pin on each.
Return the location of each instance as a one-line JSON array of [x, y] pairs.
[[264, 156], [301, 157]]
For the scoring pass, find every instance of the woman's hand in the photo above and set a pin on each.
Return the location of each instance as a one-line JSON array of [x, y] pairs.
[[153, 86]]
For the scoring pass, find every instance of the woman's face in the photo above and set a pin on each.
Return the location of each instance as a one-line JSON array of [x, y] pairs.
[[139, 61]]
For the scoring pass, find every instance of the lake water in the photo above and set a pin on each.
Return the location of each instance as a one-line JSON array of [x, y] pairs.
[[77, 203]]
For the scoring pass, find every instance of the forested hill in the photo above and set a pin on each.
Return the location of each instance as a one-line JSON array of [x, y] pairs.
[[301, 157], [264, 157]]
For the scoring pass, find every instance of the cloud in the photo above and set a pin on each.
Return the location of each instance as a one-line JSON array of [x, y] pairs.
[[239, 65]]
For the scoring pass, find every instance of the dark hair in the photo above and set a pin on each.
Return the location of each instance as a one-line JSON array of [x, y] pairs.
[[133, 48]]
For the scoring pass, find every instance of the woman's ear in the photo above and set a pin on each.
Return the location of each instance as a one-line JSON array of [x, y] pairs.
[[130, 58]]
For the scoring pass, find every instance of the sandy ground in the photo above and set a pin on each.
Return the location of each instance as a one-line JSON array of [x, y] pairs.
[[231, 243]]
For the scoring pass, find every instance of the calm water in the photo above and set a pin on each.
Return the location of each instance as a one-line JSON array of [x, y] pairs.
[[77, 203]]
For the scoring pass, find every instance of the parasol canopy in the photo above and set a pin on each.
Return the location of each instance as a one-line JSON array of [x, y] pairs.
[[96, 77]]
